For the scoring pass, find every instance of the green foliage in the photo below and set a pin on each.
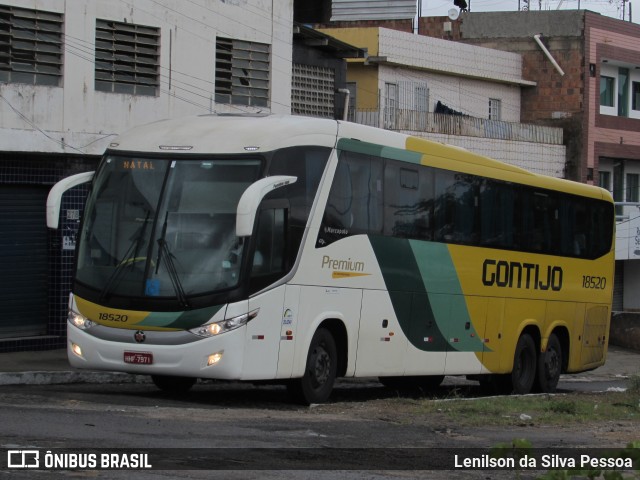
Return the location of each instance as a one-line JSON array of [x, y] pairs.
[[566, 407]]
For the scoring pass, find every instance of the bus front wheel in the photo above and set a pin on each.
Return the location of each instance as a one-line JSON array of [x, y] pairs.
[[316, 384]]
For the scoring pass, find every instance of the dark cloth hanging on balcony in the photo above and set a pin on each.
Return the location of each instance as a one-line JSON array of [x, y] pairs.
[[442, 108]]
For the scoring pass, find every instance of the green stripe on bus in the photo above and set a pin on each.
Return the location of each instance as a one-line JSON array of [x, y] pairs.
[[356, 146], [180, 320], [426, 294], [446, 296], [195, 318], [407, 292]]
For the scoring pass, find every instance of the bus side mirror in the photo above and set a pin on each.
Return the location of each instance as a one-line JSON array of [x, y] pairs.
[[54, 199], [251, 198]]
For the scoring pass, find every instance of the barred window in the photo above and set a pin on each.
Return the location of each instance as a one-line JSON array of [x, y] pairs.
[[127, 58], [30, 46], [242, 72], [313, 91], [495, 109]]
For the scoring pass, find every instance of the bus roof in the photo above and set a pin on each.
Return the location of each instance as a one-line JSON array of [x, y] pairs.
[[243, 133], [230, 134]]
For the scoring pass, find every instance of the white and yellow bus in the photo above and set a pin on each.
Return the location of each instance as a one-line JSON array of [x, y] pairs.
[[300, 250]]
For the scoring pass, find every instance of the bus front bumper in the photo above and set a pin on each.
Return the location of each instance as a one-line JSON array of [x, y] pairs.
[[214, 357]]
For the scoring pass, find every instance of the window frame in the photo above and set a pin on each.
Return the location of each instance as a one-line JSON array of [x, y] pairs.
[[41, 30], [609, 92], [495, 109], [242, 73], [127, 58]]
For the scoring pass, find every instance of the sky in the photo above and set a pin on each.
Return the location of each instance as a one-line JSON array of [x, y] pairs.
[[610, 8]]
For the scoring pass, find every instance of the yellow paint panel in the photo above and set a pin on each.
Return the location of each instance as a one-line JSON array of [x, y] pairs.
[[114, 317], [549, 292], [366, 79], [338, 274], [440, 155]]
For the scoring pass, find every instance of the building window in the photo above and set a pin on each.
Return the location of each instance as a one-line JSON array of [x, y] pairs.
[[495, 107], [30, 46], [605, 180], [127, 58], [623, 92], [391, 105], [635, 95], [633, 187], [242, 72], [313, 91], [607, 90]]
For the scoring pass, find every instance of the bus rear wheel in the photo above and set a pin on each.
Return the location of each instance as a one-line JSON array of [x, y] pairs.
[[550, 366], [171, 384], [524, 365], [316, 384]]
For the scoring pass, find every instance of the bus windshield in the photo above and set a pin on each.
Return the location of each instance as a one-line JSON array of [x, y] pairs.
[[164, 227]]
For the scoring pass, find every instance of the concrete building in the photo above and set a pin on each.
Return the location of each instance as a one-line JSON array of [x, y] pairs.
[[463, 95], [75, 74]]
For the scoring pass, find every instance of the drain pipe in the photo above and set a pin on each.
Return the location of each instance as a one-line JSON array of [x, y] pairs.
[[347, 94], [548, 54]]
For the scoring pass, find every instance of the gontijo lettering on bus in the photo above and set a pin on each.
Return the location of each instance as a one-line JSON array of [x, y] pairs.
[[501, 273]]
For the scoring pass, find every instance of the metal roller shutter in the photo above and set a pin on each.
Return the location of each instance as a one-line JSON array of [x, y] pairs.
[[24, 261]]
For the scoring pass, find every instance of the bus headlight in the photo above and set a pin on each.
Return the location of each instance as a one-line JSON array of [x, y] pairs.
[[80, 321], [216, 328]]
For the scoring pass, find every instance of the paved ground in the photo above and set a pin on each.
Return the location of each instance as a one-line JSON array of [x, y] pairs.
[[51, 367]]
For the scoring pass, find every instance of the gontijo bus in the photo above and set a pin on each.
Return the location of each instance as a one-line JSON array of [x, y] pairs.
[[300, 250]]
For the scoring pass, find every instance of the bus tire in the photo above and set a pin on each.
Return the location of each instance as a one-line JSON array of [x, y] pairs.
[[550, 366], [316, 384], [418, 382], [171, 384], [524, 365]]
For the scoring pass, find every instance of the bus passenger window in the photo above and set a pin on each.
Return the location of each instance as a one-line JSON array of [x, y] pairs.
[[355, 204], [455, 212], [408, 202]]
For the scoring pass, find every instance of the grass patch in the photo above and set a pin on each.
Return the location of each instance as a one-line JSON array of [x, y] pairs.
[[559, 409]]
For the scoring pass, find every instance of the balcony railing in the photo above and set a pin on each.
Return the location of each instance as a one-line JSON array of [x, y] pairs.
[[412, 120]]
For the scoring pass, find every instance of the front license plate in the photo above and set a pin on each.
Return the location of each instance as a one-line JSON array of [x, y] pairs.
[[140, 358]]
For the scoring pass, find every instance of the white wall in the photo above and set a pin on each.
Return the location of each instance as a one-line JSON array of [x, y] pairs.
[[465, 76], [85, 119], [467, 95]]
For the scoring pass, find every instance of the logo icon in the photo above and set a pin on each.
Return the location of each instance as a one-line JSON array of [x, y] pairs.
[[23, 459], [139, 336]]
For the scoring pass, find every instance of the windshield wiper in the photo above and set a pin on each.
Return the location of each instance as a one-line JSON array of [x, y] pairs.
[[129, 258], [164, 253]]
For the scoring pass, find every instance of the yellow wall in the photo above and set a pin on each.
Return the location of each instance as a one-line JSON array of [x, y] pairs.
[[366, 80], [366, 37], [364, 76]]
